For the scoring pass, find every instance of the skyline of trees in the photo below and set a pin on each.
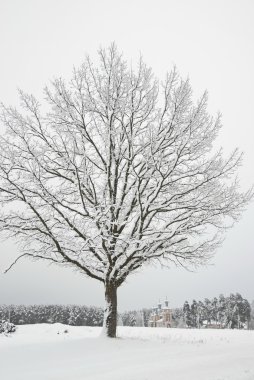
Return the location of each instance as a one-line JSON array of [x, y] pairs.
[[233, 311], [227, 312]]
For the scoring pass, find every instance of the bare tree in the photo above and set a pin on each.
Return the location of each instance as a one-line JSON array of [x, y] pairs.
[[117, 173]]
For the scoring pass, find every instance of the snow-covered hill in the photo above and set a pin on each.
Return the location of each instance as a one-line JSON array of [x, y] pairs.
[[47, 352]]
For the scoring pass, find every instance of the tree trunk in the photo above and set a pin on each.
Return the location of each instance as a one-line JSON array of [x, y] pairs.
[[110, 312]]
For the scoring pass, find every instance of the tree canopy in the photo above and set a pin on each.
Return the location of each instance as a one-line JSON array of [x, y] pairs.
[[116, 170]]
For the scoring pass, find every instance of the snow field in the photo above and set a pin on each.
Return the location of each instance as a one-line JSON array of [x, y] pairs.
[[46, 352]]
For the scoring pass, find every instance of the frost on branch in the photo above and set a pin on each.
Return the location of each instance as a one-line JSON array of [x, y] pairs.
[[118, 172]]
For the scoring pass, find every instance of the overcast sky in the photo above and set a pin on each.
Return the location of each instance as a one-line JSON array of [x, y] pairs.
[[212, 42]]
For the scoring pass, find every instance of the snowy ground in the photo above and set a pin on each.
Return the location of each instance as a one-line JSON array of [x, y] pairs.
[[45, 352]]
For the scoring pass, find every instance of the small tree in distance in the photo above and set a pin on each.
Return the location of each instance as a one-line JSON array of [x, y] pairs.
[[117, 174]]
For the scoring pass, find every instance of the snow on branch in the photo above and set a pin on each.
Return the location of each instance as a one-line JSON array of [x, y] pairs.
[[118, 172]]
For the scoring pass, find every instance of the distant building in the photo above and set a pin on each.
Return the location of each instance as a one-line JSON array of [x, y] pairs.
[[161, 316]]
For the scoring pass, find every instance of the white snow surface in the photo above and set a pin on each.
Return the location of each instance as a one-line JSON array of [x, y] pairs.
[[45, 352]]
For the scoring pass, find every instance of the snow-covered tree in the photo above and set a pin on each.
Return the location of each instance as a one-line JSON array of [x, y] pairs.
[[73, 316], [178, 319], [194, 313], [200, 314], [7, 327], [227, 312], [222, 310], [146, 316], [245, 316], [237, 311], [67, 314], [251, 320], [187, 314], [214, 309], [115, 171]]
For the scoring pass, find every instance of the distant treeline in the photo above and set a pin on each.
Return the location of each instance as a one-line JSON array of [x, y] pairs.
[[67, 314], [135, 318], [225, 312], [75, 315], [222, 312]]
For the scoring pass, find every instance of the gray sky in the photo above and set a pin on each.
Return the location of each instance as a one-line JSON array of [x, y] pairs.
[[210, 41]]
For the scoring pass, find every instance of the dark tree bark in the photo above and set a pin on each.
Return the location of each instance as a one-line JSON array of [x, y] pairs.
[[110, 312]]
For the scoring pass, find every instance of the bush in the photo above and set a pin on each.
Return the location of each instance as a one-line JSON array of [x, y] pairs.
[[7, 327]]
